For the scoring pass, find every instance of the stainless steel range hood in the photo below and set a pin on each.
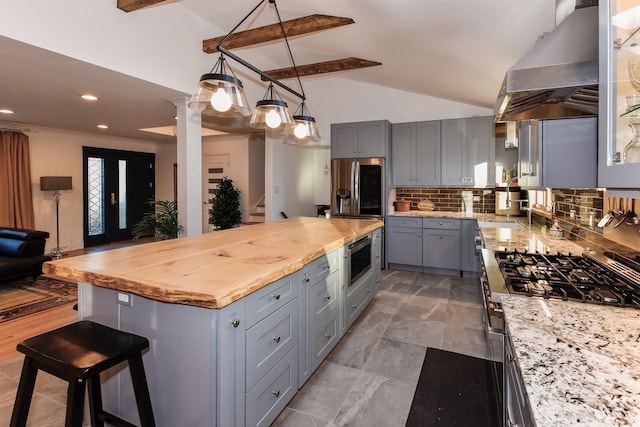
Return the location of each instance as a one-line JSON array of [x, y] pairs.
[[558, 77]]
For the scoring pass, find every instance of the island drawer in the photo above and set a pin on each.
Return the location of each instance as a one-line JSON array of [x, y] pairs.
[[265, 301], [404, 221], [323, 338], [356, 301], [269, 341], [442, 223], [321, 267], [272, 393], [322, 298]]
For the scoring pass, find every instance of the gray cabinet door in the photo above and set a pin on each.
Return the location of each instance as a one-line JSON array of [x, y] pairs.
[[468, 259], [529, 152], [403, 154], [441, 249], [344, 140], [404, 246], [570, 153], [481, 152], [373, 139], [428, 153], [454, 152]]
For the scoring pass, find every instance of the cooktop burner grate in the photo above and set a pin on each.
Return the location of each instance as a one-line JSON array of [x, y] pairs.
[[569, 277]]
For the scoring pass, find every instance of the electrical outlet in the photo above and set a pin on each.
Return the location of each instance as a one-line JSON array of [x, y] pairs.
[[124, 299], [476, 198]]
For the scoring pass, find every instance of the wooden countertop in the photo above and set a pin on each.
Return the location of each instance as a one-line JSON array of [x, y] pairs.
[[214, 269]]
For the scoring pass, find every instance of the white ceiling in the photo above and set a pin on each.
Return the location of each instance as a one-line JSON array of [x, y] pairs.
[[453, 49]]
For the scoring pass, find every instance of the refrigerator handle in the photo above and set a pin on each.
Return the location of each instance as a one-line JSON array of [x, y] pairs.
[[356, 187]]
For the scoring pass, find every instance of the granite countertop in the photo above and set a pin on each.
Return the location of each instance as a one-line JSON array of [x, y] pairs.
[[579, 362], [519, 235], [214, 269]]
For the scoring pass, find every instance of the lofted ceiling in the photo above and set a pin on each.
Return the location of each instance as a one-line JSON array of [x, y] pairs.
[[453, 49]]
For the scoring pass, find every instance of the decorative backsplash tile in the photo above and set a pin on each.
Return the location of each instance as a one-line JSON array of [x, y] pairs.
[[476, 200]]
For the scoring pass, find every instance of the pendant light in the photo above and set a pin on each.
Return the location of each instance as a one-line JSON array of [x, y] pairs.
[[305, 128], [220, 94], [271, 113]]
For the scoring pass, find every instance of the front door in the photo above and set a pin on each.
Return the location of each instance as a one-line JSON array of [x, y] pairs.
[[117, 186]]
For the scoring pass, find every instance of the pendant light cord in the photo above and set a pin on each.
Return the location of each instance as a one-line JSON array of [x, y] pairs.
[[286, 40]]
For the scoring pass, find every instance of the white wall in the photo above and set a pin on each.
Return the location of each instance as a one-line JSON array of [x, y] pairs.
[[57, 152]]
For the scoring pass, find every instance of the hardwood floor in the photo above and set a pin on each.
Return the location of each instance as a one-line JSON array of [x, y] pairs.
[[14, 331]]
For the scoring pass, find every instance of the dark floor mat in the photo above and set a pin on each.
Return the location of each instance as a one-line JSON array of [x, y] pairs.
[[455, 390]]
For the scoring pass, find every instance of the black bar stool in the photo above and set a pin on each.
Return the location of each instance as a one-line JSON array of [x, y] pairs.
[[78, 353]]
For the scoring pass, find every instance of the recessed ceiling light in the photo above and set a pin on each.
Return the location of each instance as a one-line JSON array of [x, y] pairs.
[[89, 97], [103, 126], [6, 111]]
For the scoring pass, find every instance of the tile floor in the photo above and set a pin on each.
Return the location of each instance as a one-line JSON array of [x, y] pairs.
[[367, 380]]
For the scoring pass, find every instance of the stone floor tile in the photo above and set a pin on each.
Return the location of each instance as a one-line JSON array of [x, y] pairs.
[[396, 360]]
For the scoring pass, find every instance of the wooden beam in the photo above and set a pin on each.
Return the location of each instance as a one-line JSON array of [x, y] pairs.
[[131, 5], [321, 68], [294, 27]]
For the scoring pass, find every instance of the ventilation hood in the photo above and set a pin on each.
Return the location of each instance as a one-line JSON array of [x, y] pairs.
[[558, 77]]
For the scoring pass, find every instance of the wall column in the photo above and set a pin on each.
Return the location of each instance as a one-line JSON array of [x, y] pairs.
[[189, 146]]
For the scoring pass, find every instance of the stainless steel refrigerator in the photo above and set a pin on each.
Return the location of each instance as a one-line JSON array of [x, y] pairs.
[[358, 188]]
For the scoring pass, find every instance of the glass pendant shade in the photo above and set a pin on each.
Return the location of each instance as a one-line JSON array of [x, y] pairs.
[[220, 94], [304, 129], [271, 113]]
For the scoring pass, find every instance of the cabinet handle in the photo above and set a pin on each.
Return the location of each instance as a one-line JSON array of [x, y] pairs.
[[418, 235], [276, 393], [277, 339], [441, 237], [328, 336], [306, 278], [344, 256], [276, 296], [510, 357], [328, 297], [354, 307], [235, 323]]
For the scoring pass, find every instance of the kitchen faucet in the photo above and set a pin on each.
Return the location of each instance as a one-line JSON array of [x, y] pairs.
[[520, 201]]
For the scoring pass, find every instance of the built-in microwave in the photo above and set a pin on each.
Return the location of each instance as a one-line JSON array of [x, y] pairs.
[[359, 253]]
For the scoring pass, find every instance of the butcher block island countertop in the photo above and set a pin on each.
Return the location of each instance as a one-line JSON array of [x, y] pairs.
[[213, 270]]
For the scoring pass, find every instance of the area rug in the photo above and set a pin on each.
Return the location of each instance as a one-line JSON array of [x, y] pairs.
[[27, 296], [454, 390]]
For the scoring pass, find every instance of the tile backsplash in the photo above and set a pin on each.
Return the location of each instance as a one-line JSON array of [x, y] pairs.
[[476, 200]]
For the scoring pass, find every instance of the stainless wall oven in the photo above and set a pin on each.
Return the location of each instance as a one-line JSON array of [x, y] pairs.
[[359, 259]]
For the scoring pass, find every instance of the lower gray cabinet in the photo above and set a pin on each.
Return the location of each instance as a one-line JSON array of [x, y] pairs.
[[441, 243], [272, 393], [404, 241], [469, 258]]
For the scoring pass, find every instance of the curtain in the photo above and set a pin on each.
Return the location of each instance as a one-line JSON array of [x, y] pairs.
[[16, 201]]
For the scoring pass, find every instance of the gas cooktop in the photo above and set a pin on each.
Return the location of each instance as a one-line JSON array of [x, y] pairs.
[[599, 280]]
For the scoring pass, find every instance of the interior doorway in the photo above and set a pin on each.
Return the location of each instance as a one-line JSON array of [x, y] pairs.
[[117, 186], [214, 167]]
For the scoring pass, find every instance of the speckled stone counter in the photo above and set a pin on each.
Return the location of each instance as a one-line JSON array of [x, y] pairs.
[[579, 362], [524, 238]]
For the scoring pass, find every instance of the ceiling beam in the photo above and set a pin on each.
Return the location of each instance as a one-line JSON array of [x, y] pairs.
[[294, 27], [131, 5], [321, 68]]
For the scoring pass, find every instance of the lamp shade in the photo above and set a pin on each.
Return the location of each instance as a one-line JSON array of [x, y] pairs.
[[271, 114], [220, 95], [55, 183], [304, 129]]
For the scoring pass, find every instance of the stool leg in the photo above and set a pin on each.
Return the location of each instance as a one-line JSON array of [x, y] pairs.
[[75, 402], [141, 390], [95, 401], [24, 394]]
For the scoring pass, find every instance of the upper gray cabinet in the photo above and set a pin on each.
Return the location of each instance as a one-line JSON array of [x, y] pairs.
[[619, 100], [360, 139], [559, 153], [468, 152], [415, 153]]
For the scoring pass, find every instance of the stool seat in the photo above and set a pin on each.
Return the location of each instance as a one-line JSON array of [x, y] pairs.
[[77, 353]]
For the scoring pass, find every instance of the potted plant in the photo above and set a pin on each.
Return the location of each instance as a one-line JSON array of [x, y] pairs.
[[225, 205], [160, 221]]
